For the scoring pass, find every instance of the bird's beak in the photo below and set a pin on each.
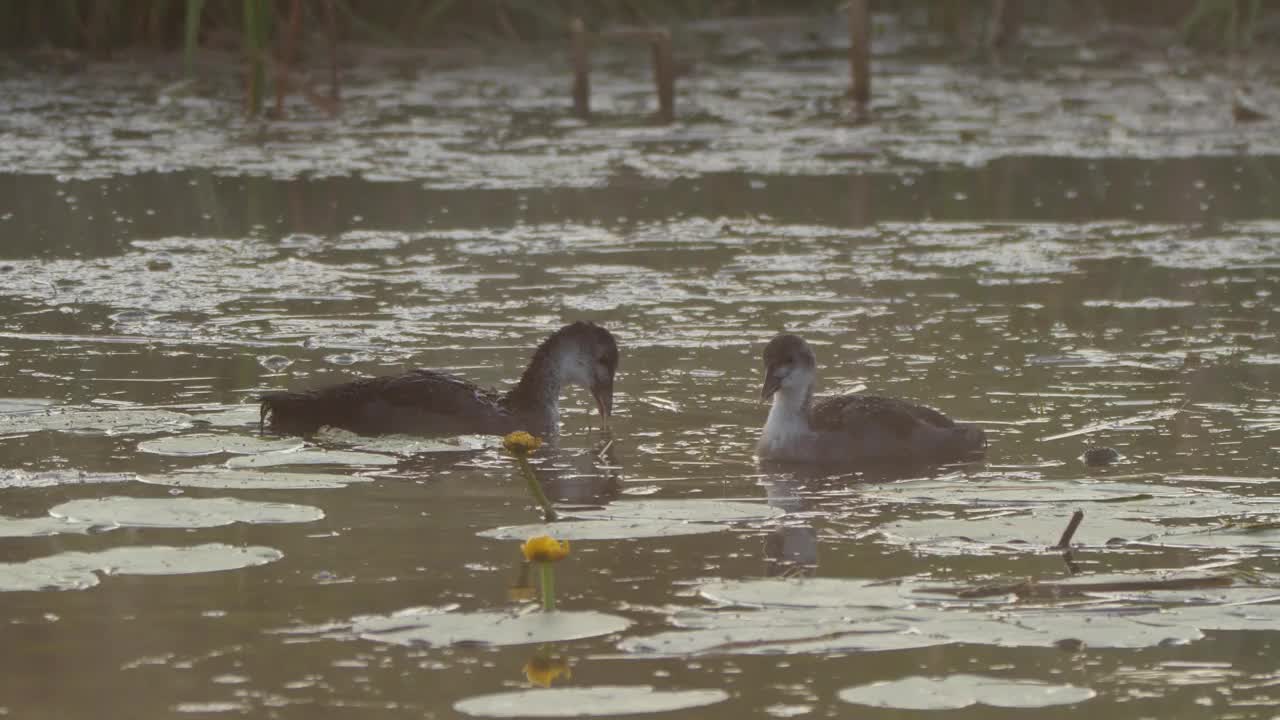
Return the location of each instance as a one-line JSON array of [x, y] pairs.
[[771, 384], [603, 394]]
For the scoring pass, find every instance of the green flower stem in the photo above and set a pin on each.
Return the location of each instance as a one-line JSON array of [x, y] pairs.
[[548, 578], [535, 489]]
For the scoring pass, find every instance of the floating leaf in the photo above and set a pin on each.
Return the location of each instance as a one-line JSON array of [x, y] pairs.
[[1016, 492], [776, 631], [602, 529], [1249, 617], [195, 445], [108, 422], [15, 406], [682, 510], [225, 479], [311, 456], [410, 444], [53, 478], [597, 701], [805, 592], [1030, 531], [181, 512], [38, 526], [78, 570], [960, 691], [430, 626], [233, 416]]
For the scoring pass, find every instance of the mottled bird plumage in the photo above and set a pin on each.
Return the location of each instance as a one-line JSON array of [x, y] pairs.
[[429, 402], [849, 428]]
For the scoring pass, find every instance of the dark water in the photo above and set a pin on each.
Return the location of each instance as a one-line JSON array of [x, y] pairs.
[[1034, 294]]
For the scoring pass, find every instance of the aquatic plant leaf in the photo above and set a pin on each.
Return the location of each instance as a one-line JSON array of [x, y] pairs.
[[409, 444], [1018, 492], [232, 416], [774, 632], [1247, 617], [14, 406], [226, 479], [430, 626], [107, 422], [54, 478], [1110, 628], [79, 570], [38, 526], [960, 691], [310, 456], [595, 701], [196, 445], [680, 510], [181, 512], [602, 529], [805, 592], [1026, 531]]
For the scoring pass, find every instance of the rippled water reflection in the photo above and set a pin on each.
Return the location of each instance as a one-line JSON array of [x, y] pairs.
[[1128, 299]]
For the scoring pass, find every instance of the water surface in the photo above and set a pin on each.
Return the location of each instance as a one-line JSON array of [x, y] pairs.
[[1032, 289]]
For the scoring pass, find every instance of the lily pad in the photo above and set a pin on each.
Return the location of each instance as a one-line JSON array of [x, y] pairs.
[[1018, 492], [39, 526], [107, 422], [410, 444], [181, 512], [233, 416], [225, 479], [602, 529], [1248, 617], [79, 570], [311, 456], [709, 511], [774, 631], [805, 592], [54, 478], [430, 626], [196, 445], [597, 701], [16, 406], [960, 691], [1027, 531]]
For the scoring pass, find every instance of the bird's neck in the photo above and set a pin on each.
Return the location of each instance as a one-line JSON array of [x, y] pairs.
[[537, 393], [789, 416]]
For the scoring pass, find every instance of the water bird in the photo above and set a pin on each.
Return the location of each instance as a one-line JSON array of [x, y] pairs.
[[428, 402], [850, 428]]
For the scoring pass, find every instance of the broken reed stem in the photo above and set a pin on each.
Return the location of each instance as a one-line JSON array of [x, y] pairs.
[[1065, 541], [664, 75], [191, 36], [860, 51], [581, 69], [331, 28], [1006, 21], [287, 54]]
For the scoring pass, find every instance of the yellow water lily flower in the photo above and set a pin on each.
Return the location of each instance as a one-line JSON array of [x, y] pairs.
[[544, 549], [521, 443], [543, 671]]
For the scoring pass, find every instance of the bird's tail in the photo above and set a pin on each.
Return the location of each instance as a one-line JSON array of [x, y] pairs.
[[292, 413]]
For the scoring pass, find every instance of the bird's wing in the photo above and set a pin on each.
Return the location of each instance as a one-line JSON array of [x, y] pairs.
[[856, 414]]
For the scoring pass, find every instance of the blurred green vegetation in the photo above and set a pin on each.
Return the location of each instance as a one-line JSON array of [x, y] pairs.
[[99, 26]]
